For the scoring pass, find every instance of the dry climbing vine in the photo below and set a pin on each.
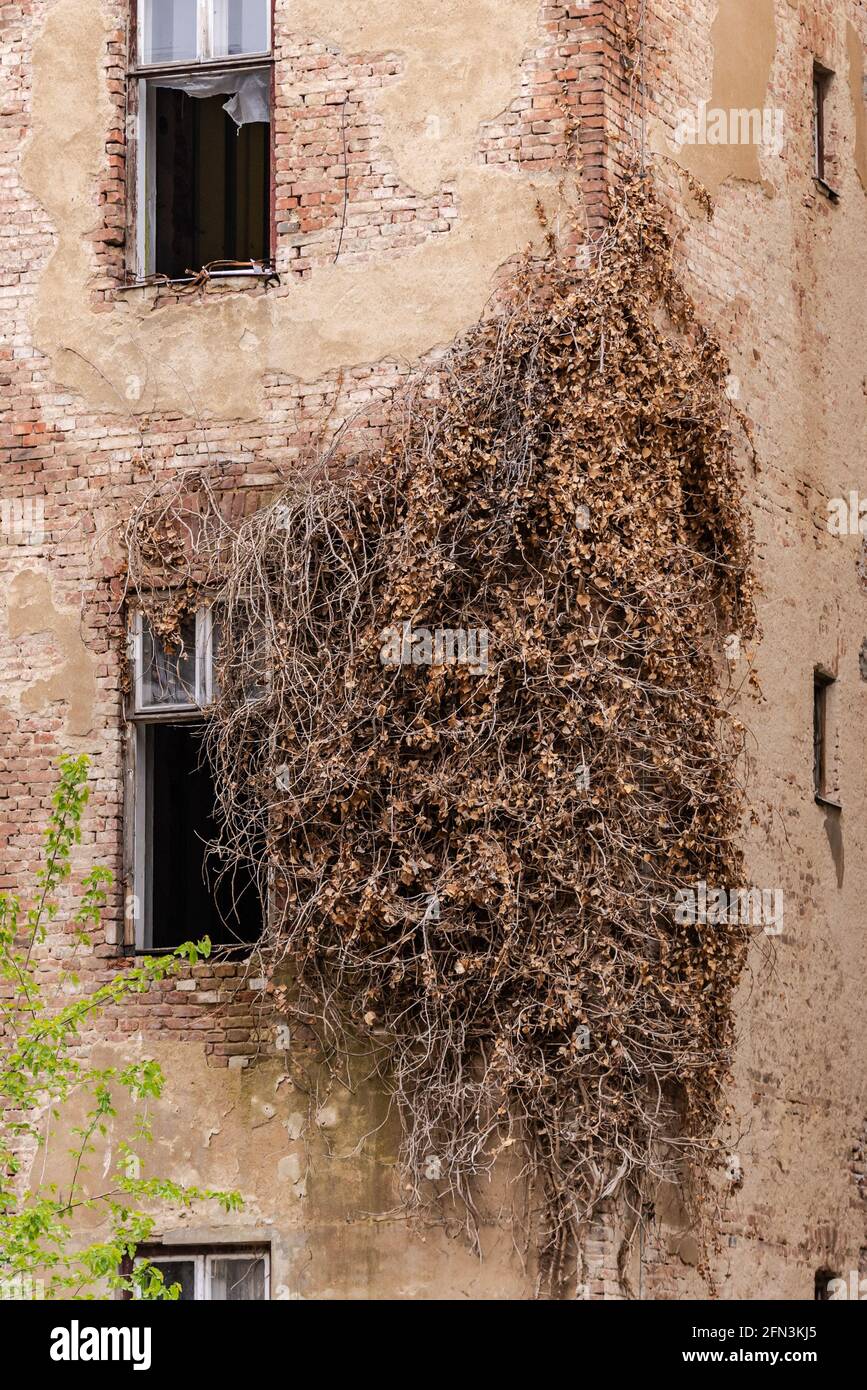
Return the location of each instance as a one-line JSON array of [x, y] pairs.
[[476, 868]]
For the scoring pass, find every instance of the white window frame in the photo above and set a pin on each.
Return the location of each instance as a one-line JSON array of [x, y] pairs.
[[204, 658], [202, 1261], [138, 773], [206, 27]]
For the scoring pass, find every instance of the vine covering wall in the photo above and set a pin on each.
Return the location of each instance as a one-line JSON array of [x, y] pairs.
[[474, 732]]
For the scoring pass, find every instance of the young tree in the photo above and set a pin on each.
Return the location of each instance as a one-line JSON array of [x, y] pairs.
[[42, 1067]]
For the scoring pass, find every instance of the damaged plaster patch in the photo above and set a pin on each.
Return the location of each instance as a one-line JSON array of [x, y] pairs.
[[345, 315], [33, 613], [744, 40], [859, 99], [295, 1125], [459, 69]]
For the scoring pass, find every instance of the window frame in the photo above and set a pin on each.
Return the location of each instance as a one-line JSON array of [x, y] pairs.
[[205, 57], [141, 142], [137, 927], [825, 788], [204, 660], [202, 1257], [822, 82], [138, 791]]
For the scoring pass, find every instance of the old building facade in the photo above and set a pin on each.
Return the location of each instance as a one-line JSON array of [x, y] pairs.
[[376, 172]]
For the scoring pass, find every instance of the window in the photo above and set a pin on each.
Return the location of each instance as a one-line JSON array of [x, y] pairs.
[[179, 892], [182, 31], [822, 79], [201, 165], [227, 1275], [824, 782]]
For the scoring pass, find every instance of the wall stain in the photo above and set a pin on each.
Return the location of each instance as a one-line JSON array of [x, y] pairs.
[[834, 832]]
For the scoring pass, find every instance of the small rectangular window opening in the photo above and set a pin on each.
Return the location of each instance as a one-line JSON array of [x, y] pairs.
[[824, 782], [822, 79]]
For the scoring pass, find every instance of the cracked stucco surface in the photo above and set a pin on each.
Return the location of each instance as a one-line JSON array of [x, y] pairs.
[[138, 358]]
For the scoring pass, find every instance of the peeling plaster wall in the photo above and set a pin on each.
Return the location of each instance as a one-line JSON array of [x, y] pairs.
[[315, 1164], [141, 358], [459, 63], [457, 116], [32, 615], [743, 42], [777, 270]]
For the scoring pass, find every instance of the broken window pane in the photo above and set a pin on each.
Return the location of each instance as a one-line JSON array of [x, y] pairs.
[[240, 26], [239, 1279], [168, 675], [170, 31], [212, 184]]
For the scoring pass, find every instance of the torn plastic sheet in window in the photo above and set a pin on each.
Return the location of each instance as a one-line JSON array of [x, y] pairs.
[[249, 99]]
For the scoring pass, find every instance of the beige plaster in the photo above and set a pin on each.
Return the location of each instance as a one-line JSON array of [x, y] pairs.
[[318, 1182], [855, 49], [743, 37], [32, 612], [141, 358], [459, 70]]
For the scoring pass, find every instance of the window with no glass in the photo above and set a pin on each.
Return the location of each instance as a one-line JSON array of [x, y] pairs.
[[822, 80], [201, 93], [181, 891], [824, 771]]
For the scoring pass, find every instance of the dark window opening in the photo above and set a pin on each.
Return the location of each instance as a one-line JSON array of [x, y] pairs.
[[212, 184], [189, 897], [822, 79], [822, 683]]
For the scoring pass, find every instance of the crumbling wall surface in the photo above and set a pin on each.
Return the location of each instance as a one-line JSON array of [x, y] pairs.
[[441, 192], [384, 256], [778, 271], [410, 159], [315, 1166]]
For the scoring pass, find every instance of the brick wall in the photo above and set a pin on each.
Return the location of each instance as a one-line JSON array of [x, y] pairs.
[[764, 276]]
